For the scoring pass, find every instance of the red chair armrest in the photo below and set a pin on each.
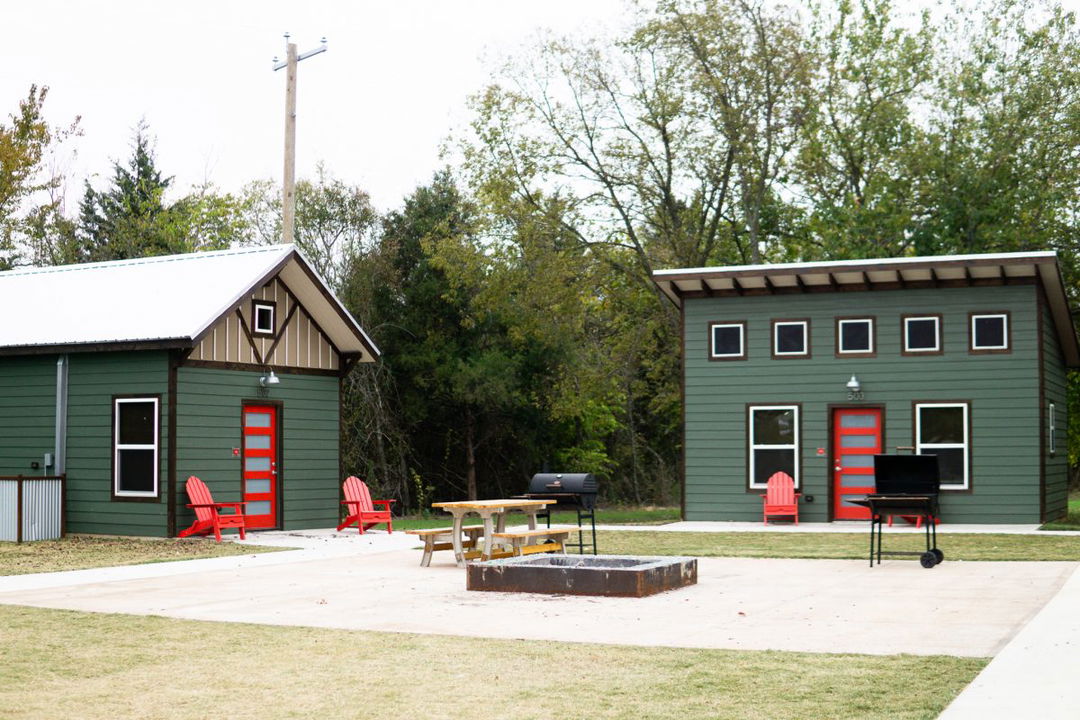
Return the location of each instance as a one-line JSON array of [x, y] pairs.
[[385, 503]]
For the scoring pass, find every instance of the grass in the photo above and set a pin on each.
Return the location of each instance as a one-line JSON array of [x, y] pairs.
[[833, 545], [608, 516], [1072, 518], [69, 664], [80, 552]]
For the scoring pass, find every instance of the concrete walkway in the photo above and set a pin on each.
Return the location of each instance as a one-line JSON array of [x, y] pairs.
[[1023, 614]]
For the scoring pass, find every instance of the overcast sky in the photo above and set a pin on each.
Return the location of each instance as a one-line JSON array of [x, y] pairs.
[[374, 108]]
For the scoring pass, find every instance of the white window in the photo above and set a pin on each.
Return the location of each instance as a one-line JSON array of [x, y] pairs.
[[943, 429], [1052, 427], [727, 341], [990, 332], [791, 338], [922, 334], [855, 336], [135, 447], [264, 318], [774, 443]]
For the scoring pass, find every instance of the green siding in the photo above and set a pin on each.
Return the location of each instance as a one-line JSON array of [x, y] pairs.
[[1003, 391], [93, 380], [27, 412], [1055, 385], [208, 428]]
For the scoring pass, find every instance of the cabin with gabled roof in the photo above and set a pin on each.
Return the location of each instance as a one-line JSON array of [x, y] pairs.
[[128, 377], [813, 368]]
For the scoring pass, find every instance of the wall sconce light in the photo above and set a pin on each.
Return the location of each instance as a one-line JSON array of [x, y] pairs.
[[853, 384], [270, 379]]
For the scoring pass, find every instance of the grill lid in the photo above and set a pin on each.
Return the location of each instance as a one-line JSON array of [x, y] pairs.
[[576, 483], [906, 474]]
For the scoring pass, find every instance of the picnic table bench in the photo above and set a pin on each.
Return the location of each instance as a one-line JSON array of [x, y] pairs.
[[443, 539], [527, 542]]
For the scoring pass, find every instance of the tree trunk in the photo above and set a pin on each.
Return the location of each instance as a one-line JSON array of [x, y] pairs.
[[470, 456]]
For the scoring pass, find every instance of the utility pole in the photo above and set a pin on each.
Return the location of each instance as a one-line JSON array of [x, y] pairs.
[[288, 199]]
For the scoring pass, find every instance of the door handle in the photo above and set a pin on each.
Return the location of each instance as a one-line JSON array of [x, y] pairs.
[[838, 468]]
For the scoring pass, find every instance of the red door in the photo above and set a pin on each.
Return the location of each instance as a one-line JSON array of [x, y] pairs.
[[260, 466], [856, 439]]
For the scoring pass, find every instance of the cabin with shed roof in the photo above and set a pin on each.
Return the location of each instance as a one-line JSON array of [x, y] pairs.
[[128, 377], [813, 368]]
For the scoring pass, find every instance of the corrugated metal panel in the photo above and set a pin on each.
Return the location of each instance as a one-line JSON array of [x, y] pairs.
[[9, 511], [41, 509]]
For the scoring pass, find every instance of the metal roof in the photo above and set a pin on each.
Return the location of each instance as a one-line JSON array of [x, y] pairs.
[[166, 301], [882, 274]]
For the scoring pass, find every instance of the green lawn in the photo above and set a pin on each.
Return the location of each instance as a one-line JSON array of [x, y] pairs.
[[99, 666], [76, 552], [604, 516], [833, 545]]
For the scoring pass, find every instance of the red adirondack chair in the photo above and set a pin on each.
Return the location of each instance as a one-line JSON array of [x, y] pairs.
[[780, 497], [207, 512], [360, 508]]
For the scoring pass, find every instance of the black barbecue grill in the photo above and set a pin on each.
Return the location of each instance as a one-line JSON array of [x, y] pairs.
[[568, 490], [905, 485]]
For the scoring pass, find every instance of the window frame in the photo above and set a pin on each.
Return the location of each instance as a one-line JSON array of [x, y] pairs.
[[919, 446], [872, 352], [751, 446], [939, 347], [128, 495], [257, 305], [741, 324], [777, 355], [990, 350]]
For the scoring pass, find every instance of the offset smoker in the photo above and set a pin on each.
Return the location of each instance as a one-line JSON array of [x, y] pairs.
[[905, 485], [568, 490]]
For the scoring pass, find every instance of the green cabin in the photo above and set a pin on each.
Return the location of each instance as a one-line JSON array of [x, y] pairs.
[[128, 377], [812, 368]]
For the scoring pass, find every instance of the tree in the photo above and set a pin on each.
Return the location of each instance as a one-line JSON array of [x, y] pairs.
[[24, 149]]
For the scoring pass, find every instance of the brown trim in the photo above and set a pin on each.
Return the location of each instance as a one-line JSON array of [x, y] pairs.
[[284, 328], [244, 367], [970, 440], [873, 336], [250, 339], [255, 304], [334, 304], [347, 362], [124, 346], [709, 342], [682, 405], [831, 409], [748, 444], [246, 296], [1040, 309], [156, 498], [174, 361], [1007, 350], [922, 316], [801, 287], [279, 460], [806, 339]]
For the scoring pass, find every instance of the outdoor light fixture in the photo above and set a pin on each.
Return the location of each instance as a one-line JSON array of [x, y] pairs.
[[853, 384], [273, 379]]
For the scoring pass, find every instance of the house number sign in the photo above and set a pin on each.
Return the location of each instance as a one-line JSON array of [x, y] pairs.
[[855, 395]]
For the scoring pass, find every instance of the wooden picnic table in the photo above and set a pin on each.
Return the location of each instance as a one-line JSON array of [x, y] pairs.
[[493, 513]]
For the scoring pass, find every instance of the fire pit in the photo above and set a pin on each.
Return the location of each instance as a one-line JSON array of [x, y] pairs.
[[610, 575]]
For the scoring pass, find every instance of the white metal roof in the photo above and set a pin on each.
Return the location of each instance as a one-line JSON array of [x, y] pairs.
[[168, 300], [881, 273]]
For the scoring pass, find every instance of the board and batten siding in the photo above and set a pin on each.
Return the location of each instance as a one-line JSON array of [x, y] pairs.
[[1002, 389], [27, 412], [209, 404], [301, 343], [93, 380], [1055, 387]]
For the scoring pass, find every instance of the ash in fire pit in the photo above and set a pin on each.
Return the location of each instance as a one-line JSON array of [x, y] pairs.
[[610, 575]]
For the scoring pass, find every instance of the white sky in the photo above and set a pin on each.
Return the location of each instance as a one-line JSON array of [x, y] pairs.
[[374, 108]]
